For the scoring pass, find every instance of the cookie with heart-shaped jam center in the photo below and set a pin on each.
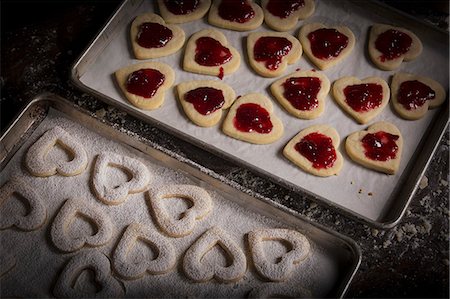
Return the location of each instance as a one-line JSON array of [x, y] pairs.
[[326, 46], [176, 11], [361, 99], [315, 150], [151, 37], [241, 15], [302, 93], [251, 119], [379, 147], [413, 95], [389, 46], [269, 53], [283, 15], [145, 84]]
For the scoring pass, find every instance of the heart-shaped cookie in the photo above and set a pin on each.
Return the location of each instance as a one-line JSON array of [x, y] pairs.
[[208, 52], [36, 213], [269, 53], [92, 260], [114, 195], [302, 93], [241, 15], [204, 101], [315, 150], [60, 233], [164, 261], [198, 197], [251, 119], [413, 95], [379, 147], [326, 46], [151, 37], [389, 46], [38, 163], [145, 84], [361, 99], [284, 15], [197, 270], [176, 12]]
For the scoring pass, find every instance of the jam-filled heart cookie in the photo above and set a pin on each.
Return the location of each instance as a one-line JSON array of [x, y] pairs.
[[302, 93], [269, 53], [389, 46], [208, 52], [361, 99], [379, 147], [283, 15], [413, 95], [203, 101], [151, 37], [315, 150], [239, 15], [144, 84], [326, 46], [251, 119], [176, 11]]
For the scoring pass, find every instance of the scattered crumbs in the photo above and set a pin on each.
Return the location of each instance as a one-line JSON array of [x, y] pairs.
[[399, 235], [423, 182], [100, 113], [313, 205], [426, 226], [387, 243], [374, 232], [370, 194], [444, 183]]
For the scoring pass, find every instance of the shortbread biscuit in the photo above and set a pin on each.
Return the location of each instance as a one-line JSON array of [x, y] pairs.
[[239, 15], [176, 12], [284, 15]]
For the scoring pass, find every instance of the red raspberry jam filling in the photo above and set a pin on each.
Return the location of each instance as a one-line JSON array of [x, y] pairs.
[[252, 117], [271, 50], [363, 97], [181, 7], [284, 8], [327, 43], [153, 35], [413, 94], [380, 146], [302, 92], [318, 149], [236, 11], [392, 44], [210, 52], [206, 100], [144, 82]]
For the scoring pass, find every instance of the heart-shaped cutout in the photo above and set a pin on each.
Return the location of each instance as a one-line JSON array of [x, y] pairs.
[[36, 213], [326, 46], [208, 52], [88, 260], [165, 253], [379, 147], [203, 101], [140, 178], [284, 15], [38, 164], [236, 15], [389, 46], [151, 37], [251, 119], [201, 206], [200, 271], [60, 230], [302, 93], [175, 12], [361, 99], [145, 84], [413, 95], [315, 150], [269, 53]]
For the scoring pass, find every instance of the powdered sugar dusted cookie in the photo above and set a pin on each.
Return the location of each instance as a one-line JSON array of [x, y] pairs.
[[164, 261], [198, 270], [72, 208], [94, 261], [315, 150], [145, 84], [208, 52], [151, 37], [326, 46], [362, 99], [413, 95], [283, 15], [269, 53], [38, 163], [379, 147], [281, 270], [198, 197], [175, 11], [114, 195], [242, 15], [251, 119], [203, 101], [302, 93], [389, 46]]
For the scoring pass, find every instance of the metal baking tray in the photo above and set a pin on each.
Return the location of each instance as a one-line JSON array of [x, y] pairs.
[[330, 248], [373, 198]]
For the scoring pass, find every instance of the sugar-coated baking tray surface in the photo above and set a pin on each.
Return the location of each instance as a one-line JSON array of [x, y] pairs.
[[378, 199], [34, 265]]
